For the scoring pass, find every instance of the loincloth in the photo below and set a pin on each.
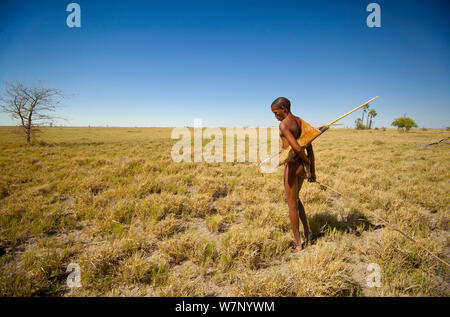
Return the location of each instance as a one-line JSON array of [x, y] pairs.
[[306, 166]]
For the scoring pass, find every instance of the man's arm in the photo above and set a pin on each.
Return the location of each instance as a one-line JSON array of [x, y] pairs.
[[312, 165], [293, 143]]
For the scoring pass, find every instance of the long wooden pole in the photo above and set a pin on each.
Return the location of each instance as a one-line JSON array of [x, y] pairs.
[[329, 124]]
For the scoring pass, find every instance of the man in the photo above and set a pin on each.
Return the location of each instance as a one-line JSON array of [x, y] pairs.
[[296, 170]]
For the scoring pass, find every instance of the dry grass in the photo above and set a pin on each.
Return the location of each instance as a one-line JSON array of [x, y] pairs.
[[112, 200]]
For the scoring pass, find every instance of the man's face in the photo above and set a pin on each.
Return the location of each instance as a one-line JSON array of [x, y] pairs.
[[280, 113]]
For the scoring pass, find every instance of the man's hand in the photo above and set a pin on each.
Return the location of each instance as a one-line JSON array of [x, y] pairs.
[[303, 157], [323, 128]]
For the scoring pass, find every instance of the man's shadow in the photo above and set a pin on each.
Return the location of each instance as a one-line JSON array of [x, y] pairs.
[[354, 223]]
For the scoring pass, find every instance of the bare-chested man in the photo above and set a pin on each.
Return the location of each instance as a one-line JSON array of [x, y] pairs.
[[294, 171]]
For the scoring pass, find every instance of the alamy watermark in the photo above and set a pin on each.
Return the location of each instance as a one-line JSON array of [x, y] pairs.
[[374, 18], [74, 278], [191, 146], [374, 277], [74, 18]]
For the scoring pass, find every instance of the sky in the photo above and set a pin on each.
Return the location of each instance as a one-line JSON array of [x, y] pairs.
[[166, 63]]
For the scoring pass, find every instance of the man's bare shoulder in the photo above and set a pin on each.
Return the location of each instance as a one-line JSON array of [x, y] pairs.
[[284, 125], [292, 124]]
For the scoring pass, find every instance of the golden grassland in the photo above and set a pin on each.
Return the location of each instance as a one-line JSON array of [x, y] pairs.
[[138, 224]]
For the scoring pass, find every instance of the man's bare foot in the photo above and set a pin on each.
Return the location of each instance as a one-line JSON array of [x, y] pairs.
[[297, 246]]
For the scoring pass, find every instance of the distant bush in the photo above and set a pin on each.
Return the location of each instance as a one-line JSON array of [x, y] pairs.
[[404, 123]]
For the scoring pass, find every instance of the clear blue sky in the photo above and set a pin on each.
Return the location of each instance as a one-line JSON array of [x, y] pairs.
[[164, 63]]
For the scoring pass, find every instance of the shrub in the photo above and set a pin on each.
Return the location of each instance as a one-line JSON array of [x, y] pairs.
[[404, 123]]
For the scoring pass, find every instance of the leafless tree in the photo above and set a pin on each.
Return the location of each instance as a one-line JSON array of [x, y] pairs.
[[31, 106]]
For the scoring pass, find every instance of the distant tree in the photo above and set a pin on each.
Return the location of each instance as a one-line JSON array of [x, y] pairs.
[[404, 123], [359, 124], [31, 106], [365, 108], [367, 120], [372, 114]]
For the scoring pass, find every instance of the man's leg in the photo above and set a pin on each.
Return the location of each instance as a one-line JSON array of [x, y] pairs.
[[302, 214], [291, 188]]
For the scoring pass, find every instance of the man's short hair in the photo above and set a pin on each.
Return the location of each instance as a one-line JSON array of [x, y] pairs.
[[281, 102]]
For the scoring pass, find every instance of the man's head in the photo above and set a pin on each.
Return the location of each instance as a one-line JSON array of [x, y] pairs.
[[281, 107]]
